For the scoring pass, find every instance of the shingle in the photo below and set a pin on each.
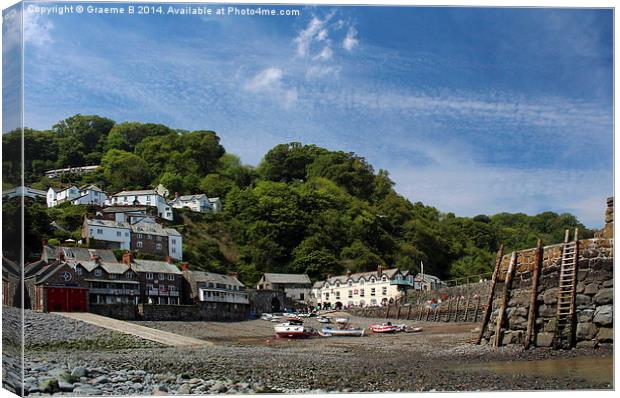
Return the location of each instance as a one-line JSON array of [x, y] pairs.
[[287, 278]]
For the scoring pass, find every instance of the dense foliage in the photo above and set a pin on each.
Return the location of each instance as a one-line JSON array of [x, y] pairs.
[[303, 209]]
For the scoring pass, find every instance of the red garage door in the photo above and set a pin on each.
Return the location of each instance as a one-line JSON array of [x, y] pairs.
[[66, 299]]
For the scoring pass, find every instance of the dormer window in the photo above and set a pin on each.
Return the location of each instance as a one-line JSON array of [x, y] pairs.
[[337, 284], [362, 281], [98, 272], [350, 282], [384, 278], [372, 280]]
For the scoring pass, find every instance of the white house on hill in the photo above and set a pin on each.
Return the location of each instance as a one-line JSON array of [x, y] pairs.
[[91, 195], [200, 203], [58, 196], [148, 197]]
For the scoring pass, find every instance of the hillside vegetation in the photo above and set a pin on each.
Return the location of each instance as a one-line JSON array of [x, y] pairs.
[[303, 209]]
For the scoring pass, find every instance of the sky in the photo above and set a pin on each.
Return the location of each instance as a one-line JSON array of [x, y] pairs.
[[471, 110]]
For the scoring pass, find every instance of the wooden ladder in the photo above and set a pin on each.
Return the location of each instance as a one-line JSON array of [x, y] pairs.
[[565, 326]]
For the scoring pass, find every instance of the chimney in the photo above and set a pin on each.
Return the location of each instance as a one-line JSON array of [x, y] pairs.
[[184, 266], [348, 273], [379, 270], [97, 259], [127, 258], [169, 259], [233, 274]]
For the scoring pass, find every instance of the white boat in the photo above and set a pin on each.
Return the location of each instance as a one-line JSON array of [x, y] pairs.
[[384, 328], [350, 332], [293, 330], [342, 320], [323, 319]]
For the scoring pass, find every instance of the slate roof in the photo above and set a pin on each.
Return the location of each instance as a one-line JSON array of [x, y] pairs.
[[10, 267], [33, 267], [107, 223], [427, 278], [155, 267], [390, 273], [187, 198], [195, 277], [318, 284], [109, 267], [287, 278], [77, 253], [142, 227], [137, 193], [124, 209]]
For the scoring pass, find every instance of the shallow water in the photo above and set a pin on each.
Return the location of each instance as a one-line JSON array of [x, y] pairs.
[[592, 369]]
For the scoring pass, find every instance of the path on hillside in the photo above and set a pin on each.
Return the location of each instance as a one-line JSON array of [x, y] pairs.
[[160, 336]]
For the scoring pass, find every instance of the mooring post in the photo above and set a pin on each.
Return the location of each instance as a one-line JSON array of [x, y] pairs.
[[504, 302], [531, 315], [409, 311], [435, 317], [489, 307], [428, 313], [477, 309], [449, 311], [456, 311], [387, 312], [398, 312], [466, 308]]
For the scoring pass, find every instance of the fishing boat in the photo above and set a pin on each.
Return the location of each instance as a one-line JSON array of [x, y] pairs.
[[342, 321], [384, 328], [323, 319], [293, 330], [350, 332]]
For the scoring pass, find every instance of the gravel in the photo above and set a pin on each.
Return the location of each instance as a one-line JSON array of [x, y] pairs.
[[247, 359]]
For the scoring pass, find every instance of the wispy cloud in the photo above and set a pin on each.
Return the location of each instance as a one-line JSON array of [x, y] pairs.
[[270, 81], [350, 41], [37, 29]]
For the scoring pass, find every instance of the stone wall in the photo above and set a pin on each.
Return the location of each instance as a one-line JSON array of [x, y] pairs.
[[220, 312], [267, 301], [593, 301], [125, 312]]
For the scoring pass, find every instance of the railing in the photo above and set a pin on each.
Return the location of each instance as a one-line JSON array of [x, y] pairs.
[[468, 279], [98, 290]]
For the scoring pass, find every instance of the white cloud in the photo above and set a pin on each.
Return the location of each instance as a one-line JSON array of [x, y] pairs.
[[313, 31], [318, 71], [270, 82], [350, 41], [325, 54]]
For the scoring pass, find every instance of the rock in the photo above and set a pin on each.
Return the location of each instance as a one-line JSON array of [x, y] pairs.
[[99, 380], [219, 387], [580, 288], [585, 315], [551, 325], [551, 296], [604, 315], [194, 381], [184, 389], [65, 387], [137, 386], [79, 371], [86, 390], [591, 288], [544, 339], [604, 296], [608, 283], [581, 300], [586, 331], [586, 344], [605, 335], [49, 386]]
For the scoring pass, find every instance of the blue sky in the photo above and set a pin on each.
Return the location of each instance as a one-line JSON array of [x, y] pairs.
[[471, 110]]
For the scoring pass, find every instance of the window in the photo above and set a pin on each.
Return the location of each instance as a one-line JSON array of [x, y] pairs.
[[384, 291], [350, 293], [174, 241], [161, 277], [112, 276], [384, 278], [99, 231], [158, 246], [174, 300], [139, 236], [92, 231], [326, 296], [361, 281], [361, 292], [129, 275], [139, 245], [150, 287], [326, 285], [78, 271], [372, 280], [149, 236], [173, 250], [301, 296], [350, 283], [149, 275], [172, 288], [119, 233], [98, 272], [372, 291], [158, 238], [162, 300], [337, 284], [170, 277], [337, 295], [126, 234]]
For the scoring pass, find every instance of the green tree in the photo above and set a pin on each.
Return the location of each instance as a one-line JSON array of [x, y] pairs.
[[124, 170], [80, 136]]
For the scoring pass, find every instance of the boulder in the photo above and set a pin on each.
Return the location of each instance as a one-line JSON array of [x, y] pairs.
[[604, 296], [586, 331], [551, 296], [79, 371], [49, 386], [586, 344], [580, 288], [585, 315], [544, 339], [605, 335], [581, 300], [604, 315], [608, 283]]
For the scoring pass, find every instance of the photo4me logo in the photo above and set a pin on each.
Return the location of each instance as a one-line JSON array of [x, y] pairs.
[[165, 9]]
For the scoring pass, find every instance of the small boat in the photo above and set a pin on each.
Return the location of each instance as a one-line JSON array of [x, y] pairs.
[[408, 329], [350, 332], [293, 330], [323, 319], [384, 328], [342, 320]]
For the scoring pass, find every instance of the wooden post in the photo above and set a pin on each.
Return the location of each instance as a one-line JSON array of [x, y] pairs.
[[466, 308], [456, 312], [447, 312], [428, 313], [531, 315], [398, 312], [387, 312], [489, 307], [477, 309], [504, 302], [435, 318], [421, 311], [409, 311]]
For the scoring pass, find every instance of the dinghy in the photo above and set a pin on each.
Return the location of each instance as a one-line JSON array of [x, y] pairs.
[[384, 328], [350, 332]]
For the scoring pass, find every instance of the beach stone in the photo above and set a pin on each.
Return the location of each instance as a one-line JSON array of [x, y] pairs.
[[219, 387], [605, 335], [65, 387], [604, 296], [586, 344], [49, 386], [604, 315], [608, 283], [544, 339], [184, 389], [586, 331], [99, 380], [580, 288], [79, 371], [86, 390]]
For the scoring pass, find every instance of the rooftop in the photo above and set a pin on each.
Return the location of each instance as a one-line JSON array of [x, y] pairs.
[[287, 278]]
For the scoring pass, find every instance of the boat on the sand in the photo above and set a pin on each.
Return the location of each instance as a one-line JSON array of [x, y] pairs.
[[323, 319], [293, 330], [349, 332], [384, 328]]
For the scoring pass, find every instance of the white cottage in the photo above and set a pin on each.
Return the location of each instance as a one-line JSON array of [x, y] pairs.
[[107, 233], [376, 288], [58, 196], [91, 195], [199, 202], [148, 197]]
